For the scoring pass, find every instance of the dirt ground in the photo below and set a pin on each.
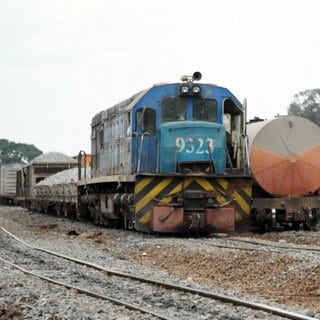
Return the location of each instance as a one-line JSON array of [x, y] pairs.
[[255, 273]]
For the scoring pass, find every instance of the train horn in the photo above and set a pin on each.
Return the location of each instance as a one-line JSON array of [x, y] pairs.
[[197, 76]]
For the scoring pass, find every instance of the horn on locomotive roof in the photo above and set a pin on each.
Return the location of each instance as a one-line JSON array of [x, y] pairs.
[[195, 77]]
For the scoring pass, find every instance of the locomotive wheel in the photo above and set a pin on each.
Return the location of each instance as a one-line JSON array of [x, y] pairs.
[[307, 225], [296, 225]]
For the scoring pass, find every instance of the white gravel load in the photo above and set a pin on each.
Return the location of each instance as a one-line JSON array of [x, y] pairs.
[[53, 157], [62, 177], [60, 187]]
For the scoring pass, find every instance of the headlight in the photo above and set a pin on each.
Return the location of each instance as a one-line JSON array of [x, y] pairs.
[[184, 89], [196, 89]]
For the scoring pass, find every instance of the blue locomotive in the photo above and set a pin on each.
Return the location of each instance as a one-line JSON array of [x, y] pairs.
[[172, 158]]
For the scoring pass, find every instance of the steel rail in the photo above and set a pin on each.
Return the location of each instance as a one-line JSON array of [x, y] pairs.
[[87, 292], [270, 247], [276, 245], [203, 293]]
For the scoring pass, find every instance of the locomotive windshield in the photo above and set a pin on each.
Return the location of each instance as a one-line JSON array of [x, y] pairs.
[[205, 109], [173, 109]]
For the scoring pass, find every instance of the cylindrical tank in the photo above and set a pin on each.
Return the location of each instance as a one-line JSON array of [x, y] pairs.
[[285, 155]]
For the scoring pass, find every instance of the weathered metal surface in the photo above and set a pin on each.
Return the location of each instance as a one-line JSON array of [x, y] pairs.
[[8, 176], [222, 219], [8, 186], [167, 219], [285, 156]]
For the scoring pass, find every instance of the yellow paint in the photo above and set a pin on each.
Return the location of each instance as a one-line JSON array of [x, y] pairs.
[[241, 202], [167, 198], [145, 218], [248, 191], [142, 184], [205, 184], [221, 199], [155, 191], [224, 183]]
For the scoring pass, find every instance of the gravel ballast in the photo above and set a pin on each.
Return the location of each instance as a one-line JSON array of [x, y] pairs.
[[289, 279]]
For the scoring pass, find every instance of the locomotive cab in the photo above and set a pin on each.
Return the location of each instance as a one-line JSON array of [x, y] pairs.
[[234, 123], [191, 128]]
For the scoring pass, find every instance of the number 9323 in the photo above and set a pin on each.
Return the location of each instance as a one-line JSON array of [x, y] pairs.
[[194, 145]]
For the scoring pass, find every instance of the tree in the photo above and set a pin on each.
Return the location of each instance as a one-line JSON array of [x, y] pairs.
[[11, 152], [306, 104]]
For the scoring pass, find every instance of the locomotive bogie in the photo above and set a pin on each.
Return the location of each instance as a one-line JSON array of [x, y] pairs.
[[107, 203], [285, 212]]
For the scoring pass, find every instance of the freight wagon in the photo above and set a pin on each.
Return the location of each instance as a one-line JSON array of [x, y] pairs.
[[38, 169], [285, 166], [8, 177]]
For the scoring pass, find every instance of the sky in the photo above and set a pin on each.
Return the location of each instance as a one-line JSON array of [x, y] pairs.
[[63, 61]]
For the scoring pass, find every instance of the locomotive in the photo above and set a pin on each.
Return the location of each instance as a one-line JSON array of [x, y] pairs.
[[170, 159], [285, 166]]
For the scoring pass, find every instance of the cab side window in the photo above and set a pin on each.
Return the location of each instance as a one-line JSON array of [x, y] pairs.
[[146, 120], [205, 109]]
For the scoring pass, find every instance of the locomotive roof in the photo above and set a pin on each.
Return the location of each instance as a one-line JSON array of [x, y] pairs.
[[128, 104], [125, 104]]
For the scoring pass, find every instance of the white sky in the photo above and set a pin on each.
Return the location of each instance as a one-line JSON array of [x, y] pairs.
[[62, 61]]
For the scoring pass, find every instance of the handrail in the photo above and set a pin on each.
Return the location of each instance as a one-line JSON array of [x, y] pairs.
[[81, 155], [140, 151]]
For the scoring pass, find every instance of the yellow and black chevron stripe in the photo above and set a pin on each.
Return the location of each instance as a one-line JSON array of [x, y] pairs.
[[151, 190]]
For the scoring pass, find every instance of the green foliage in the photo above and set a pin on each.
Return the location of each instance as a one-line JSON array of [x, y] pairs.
[[306, 104], [11, 152]]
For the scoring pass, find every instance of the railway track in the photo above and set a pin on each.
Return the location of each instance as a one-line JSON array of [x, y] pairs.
[[143, 295], [257, 245], [270, 244]]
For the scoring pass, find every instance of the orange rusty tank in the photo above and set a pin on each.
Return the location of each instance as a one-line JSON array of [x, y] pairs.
[[285, 155]]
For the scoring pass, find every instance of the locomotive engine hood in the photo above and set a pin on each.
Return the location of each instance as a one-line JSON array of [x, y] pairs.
[[192, 147]]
